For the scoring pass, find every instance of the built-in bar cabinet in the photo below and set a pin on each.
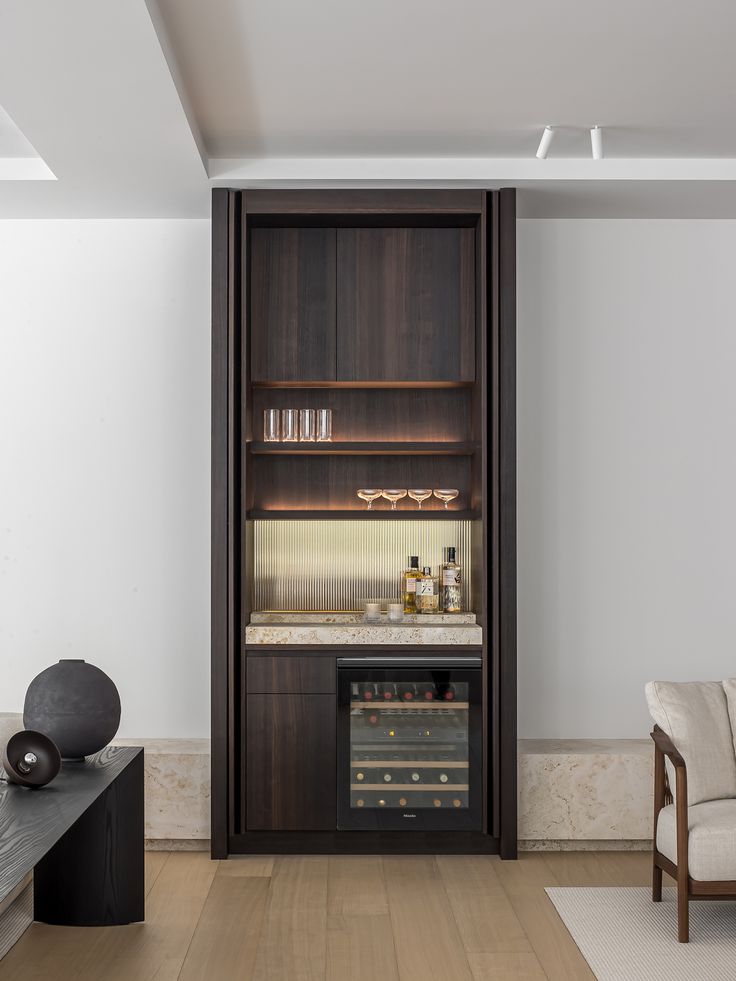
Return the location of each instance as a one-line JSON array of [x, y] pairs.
[[396, 310]]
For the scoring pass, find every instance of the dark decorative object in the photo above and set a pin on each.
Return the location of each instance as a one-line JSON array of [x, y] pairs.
[[76, 705], [31, 759]]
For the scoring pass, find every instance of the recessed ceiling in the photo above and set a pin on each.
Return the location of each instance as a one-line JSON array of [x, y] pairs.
[[467, 78], [12, 142], [137, 109]]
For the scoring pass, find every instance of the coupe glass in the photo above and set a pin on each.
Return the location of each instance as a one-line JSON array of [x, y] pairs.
[[446, 495], [394, 496], [419, 496], [369, 496]]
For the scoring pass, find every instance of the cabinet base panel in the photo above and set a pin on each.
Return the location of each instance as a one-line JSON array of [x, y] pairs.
[[362, 843]]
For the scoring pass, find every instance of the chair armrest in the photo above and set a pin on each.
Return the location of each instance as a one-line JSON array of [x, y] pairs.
[[663, 742]]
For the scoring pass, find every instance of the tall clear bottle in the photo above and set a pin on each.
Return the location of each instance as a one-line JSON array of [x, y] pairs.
[[452, 580], [409, 585]]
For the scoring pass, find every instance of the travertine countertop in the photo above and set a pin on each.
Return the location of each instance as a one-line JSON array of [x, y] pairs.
[[352, 628]]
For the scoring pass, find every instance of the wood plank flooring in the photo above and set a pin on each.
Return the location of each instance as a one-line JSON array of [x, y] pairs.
[[336, 918]]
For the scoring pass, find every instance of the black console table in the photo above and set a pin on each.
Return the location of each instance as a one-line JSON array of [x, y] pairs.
[[82, 836]]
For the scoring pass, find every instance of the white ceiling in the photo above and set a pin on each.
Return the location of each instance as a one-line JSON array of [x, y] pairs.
[[463, 78], [132, 106]]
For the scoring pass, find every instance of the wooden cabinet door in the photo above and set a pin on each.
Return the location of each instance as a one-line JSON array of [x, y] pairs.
[[290, 763], [292, 304], [406, 304]]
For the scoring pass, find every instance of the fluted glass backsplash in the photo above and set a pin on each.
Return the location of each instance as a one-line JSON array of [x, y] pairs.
[[337, 565]]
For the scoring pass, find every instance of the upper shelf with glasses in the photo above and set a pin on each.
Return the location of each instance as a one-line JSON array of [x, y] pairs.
[[356, 448]]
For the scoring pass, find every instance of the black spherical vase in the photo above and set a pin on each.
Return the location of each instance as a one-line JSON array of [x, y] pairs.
[[76, 705]]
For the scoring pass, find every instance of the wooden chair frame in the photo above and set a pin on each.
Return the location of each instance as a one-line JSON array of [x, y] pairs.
[[687, 888]]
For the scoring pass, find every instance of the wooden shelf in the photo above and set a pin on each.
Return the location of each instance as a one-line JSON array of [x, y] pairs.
[[412, 788], [355, 514], [362, 384], [422, 706], [354, 448]]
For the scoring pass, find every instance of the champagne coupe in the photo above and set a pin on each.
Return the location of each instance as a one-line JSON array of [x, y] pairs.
[[394, 496], [419, 496], [369, 496], [446, 495]]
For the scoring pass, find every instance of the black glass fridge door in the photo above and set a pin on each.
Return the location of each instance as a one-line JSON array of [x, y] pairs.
[[409, 746]]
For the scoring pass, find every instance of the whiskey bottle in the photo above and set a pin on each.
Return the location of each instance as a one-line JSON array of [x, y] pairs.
[[409, 584], [451, 589], [427, 592]]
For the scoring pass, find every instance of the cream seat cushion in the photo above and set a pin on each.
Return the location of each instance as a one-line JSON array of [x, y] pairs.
[[694, 714], [711, 848]]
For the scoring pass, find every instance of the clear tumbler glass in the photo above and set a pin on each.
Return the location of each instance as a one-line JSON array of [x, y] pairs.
[[324, 425], [290, 425], [307, 425], [271, 425]]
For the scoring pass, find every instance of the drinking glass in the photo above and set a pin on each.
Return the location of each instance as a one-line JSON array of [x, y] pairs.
[[324, 425], [419, 496], [271, 425], [369, 496], [289, 425], [394, 496], [446, 495], [307, 425]]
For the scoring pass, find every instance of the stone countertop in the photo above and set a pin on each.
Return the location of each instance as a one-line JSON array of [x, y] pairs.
[[359, 618], [352, 628]]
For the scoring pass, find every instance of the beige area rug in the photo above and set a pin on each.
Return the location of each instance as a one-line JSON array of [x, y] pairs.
[[624, 936]]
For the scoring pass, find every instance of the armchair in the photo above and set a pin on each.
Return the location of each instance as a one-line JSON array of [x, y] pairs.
[[694, 791]]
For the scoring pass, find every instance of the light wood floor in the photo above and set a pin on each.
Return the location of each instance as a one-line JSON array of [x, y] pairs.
[[450, 918]]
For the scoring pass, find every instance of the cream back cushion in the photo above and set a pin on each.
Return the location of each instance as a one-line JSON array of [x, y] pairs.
[[694, 714], [729, 686]]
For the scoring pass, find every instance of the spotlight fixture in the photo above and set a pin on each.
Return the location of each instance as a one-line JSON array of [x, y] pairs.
[[596, 142], [544, 143], [31, 759]]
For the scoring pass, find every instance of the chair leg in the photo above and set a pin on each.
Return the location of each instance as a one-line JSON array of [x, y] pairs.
[[683, 910], [656, 883]]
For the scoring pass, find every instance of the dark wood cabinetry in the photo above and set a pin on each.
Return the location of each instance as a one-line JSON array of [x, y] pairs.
[[395, 309], [406, 304], [290, 762], [292, 288]]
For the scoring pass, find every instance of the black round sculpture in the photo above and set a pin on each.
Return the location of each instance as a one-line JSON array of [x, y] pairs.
[[31, 759], [76, 705]]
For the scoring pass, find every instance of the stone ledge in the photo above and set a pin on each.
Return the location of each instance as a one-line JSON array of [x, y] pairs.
[[585, 790], [572, 792]]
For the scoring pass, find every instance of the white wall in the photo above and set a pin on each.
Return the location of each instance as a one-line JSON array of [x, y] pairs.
[[627, 467], [104, 460], [627, 477]]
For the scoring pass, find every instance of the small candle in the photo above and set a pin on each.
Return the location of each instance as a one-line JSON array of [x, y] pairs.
[[396, 611], [372, 611]]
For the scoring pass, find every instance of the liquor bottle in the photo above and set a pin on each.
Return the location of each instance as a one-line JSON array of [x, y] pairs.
[[388, 693], [427, 592], [406, 692], [409, 585], [426, 692], [447, 693], [368, 693], [451, 589]]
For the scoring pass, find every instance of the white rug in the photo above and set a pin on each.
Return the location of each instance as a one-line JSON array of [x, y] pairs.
[[624, 936]]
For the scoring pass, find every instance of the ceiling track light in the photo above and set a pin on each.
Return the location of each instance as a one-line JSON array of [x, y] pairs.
[[596, 142], [544, 143]]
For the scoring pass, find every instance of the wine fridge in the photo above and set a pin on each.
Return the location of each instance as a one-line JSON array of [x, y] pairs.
[[409, 743]]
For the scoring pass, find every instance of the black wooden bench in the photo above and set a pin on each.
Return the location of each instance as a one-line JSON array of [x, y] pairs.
[[82, 838]]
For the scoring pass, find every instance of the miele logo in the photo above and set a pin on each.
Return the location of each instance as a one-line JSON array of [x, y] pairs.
[[409, 815]]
